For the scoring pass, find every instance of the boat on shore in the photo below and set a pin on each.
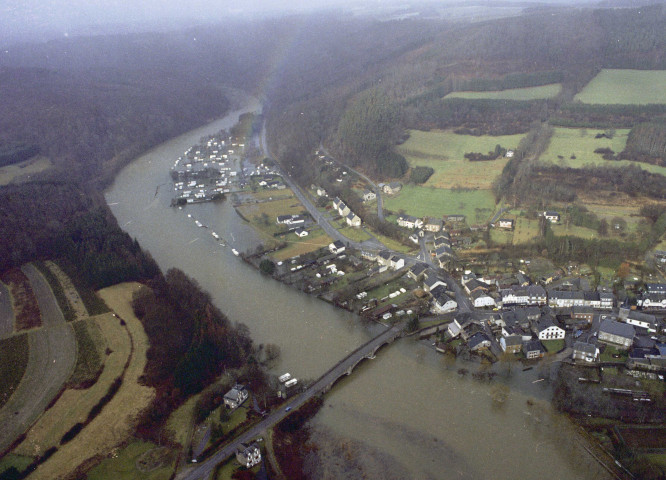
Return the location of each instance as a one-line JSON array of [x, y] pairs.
[[235, 252]]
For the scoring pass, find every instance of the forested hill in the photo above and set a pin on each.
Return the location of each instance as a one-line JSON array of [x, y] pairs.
[[567, 46]]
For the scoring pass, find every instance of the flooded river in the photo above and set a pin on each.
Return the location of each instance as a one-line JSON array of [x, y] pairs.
[[407, 414]]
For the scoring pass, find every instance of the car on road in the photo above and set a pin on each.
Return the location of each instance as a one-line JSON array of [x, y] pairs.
[[288, 409]]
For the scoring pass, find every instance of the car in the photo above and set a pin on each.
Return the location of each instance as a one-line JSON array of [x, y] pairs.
[[288, 409]]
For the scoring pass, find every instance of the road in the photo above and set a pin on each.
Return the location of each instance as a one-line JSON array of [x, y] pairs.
[[50, 363], [202, 470], [377, 190], [319, 217]]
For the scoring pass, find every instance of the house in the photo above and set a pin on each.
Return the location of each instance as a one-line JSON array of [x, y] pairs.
[[652, 301], [443, 251], [618, 334], [414, 237], [455, 327], [659, 288], [565, 299], [384, 258], [248, 455], [533, 349], [396, 262], [582, 313], [409, 221], [353, 220], [301, 233], [417, 272], [506, 223], [442, 302], [236, 396], [482, 300], [431, 282], [432, 225], [369, 255], [545, 329], [536, 295], [336, 203], [474, 285], [455, 218], [552, 217], [368, 196], [392, 188], [321, 192], [606, 300], [511, 343], [343, 209], [639, 319], [336, 247], [522, 279], [478, 341], [514, 296], [283, 218], [295, 220], [586, 352]]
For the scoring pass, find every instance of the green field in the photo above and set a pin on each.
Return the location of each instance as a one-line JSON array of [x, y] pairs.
[[14, 354], [625, 87], [580, 143], [574, 231], [444, 151], [525, 230], [527, 93], [19, 462], [435, 202]]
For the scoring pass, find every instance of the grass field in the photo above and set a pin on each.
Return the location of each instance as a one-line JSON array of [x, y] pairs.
[[527, 93], [14, 353], [299, 246], [394, 244], [73, 405], [90, 347], [444, 151], [115, 423], [580, 142], [501, 237], [355, 234], [625, 87], [525, 230], [23, 169], [435, 202], [123, 464], [17, 461], [553, 346], [574, 231]]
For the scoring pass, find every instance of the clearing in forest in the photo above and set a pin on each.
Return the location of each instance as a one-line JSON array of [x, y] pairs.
[[622, 87], [526, 93]]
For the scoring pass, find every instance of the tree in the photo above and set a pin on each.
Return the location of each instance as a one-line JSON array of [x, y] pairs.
[[322, 202], [623, 271], [267, 266], [603, 227]]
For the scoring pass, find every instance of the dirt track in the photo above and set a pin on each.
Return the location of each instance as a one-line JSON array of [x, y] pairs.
[[51, 360], [6, 312]]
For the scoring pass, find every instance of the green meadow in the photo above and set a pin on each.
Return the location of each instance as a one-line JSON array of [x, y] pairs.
[[527, 93], [625, 87], [435, 202], [581, 144], [444, 151]]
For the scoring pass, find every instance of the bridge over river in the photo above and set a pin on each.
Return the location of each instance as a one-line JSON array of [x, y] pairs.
[[344, 367]]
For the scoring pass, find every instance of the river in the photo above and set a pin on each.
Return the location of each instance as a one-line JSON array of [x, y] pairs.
[[407, 414]]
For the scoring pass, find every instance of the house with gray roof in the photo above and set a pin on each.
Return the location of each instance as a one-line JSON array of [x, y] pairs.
[[586, 352], [236, 396], [617, 334]]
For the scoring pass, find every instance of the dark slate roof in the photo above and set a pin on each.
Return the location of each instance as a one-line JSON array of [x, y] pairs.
[[617, 328], [585, 348], [419, 268], [338, 244], [532, 345], [476, 339]]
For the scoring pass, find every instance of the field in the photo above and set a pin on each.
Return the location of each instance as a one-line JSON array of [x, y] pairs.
[[435, 202], [90, 346], [115, 422], [444, 151], [355, 234], [299, 246], [580, 143], [525, 230], [14, 354], [527, 93], [644, 437], [73, 405], [574, 231], [124, 463], [21, 170], [625, 87]]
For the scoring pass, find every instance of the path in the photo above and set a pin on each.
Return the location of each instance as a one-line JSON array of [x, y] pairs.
[[50, 363]]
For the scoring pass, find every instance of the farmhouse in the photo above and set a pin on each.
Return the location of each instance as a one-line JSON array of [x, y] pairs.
[[478, 341], [533, 349], [369, 196], [431, 282], [546, 329], [384, 258], [639, 319], [301, 233], [442, 302], [248, 456], [408, 221], [582, 313], [417, 272], [482, 299], [552, 217], [506, 223], [396, 262], [235, 397], [392, 188]]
